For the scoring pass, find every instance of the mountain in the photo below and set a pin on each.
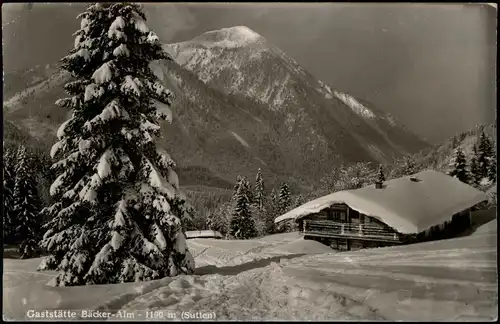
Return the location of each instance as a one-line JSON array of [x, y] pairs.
[[237, 60], [17, 81], [241, 104]]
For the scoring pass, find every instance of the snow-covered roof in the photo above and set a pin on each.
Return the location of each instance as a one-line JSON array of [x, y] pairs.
[[203, 234], [405, 205]]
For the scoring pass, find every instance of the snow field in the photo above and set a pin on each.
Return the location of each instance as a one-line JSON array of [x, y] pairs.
[[284, 277]]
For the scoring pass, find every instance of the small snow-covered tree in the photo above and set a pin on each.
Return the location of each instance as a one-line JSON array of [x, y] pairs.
[[299, 201], [285, 204], [9, 219], [285, 199], [272, 210], [408, 167], [459, 166], [217, 220], [259, 190], [492, 171], [328, 181], [380, 174], [26, 205], [242, 224], [117, 215], [484, 155], [475, 176], [355, 176]]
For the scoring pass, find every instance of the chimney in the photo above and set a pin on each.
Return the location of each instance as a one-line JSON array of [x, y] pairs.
[[379, 185]]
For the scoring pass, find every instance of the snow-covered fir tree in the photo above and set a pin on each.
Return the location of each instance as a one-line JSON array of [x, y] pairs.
[[117, 212], [259, 190], [484, 155], [26, 205], [242, 224], [285, 199], [459, 166], [380, 174], [9, 162]]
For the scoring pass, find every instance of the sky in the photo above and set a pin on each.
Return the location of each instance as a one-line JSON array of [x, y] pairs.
[[430, 65]]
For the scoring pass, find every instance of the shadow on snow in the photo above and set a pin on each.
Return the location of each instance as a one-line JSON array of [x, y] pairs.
[[236, 269]]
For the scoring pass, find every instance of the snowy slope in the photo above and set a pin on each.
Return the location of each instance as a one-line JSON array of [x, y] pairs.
[[284, 277]]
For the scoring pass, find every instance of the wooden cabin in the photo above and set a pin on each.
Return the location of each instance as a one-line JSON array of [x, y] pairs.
[[344, 228], [426, 206]]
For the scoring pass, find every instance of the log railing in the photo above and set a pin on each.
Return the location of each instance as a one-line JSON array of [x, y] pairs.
[[352, 230]]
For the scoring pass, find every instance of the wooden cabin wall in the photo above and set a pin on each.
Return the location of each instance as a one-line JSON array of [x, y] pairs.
[[358, 218], [322, 215], [356, 245], [372, 221]]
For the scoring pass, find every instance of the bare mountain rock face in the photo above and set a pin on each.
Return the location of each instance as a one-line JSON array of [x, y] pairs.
[[241, 104]]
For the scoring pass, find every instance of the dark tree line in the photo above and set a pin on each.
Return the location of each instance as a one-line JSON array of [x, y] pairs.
[[252, 210], [22, 203], [480, 169]]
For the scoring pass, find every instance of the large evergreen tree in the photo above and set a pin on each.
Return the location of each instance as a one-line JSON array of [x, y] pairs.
[[26, 205], [259, 190], [9, 162], [242, 224], [485, 154], [117, 212], [459, 166]]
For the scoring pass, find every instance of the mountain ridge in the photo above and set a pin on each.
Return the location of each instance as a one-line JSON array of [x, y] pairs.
[[284, 83], [293, 130]]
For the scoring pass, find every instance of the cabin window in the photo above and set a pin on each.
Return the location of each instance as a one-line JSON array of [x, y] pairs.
[[329, 214], [354, 214], [322, 215], [340, 216]]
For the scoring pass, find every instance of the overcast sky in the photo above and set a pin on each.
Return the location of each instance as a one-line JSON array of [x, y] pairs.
[[432, 66]]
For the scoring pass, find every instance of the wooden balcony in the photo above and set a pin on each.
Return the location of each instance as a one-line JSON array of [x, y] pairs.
[[332, 229]]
